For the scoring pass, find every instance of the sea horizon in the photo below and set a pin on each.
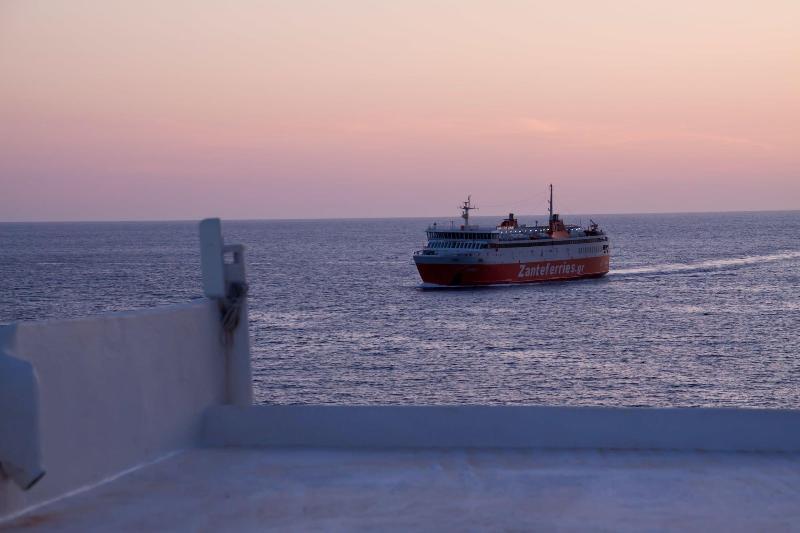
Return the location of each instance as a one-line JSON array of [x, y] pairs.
[[690, 313]]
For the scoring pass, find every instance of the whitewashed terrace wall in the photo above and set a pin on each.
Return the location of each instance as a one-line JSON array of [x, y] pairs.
[[483, 426], [117, 390]]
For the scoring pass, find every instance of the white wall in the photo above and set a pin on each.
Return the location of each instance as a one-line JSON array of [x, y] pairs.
[[117, 390], [122, 389], [504, 427]]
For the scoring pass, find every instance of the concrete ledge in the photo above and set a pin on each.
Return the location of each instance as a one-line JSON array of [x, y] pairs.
[[757, 430]]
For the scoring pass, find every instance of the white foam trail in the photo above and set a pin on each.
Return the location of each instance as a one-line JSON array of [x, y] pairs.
[[706, 265]]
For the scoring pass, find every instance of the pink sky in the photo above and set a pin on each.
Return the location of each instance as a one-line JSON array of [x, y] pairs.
[[300, 109]]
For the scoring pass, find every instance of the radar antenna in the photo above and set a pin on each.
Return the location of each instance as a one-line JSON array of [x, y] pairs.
[[465, 209]]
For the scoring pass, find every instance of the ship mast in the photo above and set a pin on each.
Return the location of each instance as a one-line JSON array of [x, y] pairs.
[[465, 209], [551, 201]]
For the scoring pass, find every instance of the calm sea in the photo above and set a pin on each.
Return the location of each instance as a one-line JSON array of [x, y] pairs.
[[699, 310]]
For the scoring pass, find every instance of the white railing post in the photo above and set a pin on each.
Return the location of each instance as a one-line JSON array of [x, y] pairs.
[[226, 282]]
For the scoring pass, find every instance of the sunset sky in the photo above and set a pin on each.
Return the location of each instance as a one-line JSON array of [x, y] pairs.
[[303, 109]]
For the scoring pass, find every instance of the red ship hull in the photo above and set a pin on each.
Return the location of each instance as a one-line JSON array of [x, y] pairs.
[[491, 274]]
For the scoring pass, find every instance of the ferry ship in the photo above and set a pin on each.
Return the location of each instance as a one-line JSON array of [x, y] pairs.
[[472, 255]]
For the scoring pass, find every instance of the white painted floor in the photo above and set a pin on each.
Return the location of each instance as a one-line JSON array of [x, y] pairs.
[[463, 490]]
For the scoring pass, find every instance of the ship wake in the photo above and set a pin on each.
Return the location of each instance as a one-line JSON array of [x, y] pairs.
[[714, 264]]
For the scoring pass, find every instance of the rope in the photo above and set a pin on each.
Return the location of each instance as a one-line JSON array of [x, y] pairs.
[[231, 309]]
